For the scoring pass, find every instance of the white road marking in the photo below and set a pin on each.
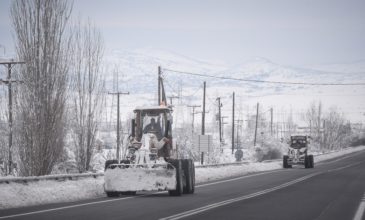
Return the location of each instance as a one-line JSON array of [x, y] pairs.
[[360, 210], [229, 201]]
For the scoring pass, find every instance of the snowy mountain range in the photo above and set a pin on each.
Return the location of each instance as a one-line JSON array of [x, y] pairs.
[[138, 71], [144, 62]]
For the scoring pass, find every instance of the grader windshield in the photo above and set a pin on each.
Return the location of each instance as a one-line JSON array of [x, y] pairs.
[[298, 142], [152, 120]]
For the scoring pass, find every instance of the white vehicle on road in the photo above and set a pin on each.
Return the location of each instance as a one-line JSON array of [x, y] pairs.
[[298, 153]]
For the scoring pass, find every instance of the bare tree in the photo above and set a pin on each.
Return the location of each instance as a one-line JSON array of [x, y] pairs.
[[88, 86], [3, 146], [42, 42], [329, 129], [3, 133], [313, 118], [335, 130]]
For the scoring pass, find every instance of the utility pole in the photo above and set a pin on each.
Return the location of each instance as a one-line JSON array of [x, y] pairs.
[[239, 127], [271, 120], [257, 118], [310, 128], [220, 119], [9, 81], [118, 120], [159, 85], [162, 100], [203, 112], [233, 97], [193, 114]]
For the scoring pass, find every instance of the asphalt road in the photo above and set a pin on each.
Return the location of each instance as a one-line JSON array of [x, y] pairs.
[[332, 190]]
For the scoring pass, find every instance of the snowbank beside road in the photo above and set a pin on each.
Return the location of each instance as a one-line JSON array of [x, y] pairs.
[[215, 173], [47, 191], [331, 155]]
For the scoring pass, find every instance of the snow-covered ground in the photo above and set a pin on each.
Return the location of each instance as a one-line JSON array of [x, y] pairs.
[[42, 192]]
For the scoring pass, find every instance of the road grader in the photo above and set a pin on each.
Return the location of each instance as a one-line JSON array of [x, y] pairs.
[[298, 153], [150, 162]]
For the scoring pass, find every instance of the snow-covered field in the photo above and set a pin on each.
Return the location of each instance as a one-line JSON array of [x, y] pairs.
[[42, 192]]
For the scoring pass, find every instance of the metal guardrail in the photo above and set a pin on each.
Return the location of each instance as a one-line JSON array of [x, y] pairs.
[[63, 177], [221, 164], [59, 177]]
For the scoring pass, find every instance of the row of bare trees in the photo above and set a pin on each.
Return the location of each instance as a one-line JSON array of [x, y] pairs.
[[330, 130], [62, 89]]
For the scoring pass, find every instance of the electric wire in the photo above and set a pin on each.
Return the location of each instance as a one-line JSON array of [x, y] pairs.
[[265, 81]]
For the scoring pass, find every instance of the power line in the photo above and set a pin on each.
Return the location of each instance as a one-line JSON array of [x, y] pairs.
[[266, 81], [170, 86]]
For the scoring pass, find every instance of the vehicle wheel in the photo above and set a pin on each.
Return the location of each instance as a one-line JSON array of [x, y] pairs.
[[188, 168], [311, 160], [306, 162], [108, 162], [112, 194], [285, 161], [179, 179]]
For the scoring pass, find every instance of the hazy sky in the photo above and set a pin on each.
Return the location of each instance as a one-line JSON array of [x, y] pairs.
[[294, 32]]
